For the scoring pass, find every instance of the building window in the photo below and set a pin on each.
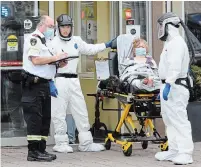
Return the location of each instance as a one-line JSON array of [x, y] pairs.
[[17, 20], [134, 13], [114, 18], [12, 121], [88, 32], [193, 17]]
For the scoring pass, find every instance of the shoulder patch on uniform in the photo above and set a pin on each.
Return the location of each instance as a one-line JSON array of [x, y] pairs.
[[33, 41]]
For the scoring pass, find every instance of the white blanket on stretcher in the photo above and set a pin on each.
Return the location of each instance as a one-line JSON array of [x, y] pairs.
[[133, 71]]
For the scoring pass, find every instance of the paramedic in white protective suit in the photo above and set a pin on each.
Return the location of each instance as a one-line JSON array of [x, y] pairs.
[[173, 68], [70, 97]]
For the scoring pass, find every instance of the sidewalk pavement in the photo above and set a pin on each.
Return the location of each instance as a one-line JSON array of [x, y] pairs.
[[16, 157]]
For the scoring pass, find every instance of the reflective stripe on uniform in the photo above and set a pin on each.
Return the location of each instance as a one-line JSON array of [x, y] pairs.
[[44, 138], [33, 137]]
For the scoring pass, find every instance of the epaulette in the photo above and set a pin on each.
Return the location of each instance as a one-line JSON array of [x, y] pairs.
[[43, 41]]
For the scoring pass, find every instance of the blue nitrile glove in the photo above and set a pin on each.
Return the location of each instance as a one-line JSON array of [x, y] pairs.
[[109, 43], [53, 89], [166, 91]]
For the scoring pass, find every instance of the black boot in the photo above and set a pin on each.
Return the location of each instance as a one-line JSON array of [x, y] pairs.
[[42, 148], [34, 154]]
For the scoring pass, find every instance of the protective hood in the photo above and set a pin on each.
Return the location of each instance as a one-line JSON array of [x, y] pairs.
[[64, 38], [163, 21], [172, 32], [63, 20]]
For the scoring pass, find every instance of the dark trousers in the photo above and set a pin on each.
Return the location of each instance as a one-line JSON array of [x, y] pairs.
[[36, 102]]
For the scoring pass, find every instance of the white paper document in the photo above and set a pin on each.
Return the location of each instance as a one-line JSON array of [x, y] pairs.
[[102, 70]]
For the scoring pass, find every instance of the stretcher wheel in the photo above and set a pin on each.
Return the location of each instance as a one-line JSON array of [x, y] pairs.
[[144, 144], [164, 146], [164, 149], [128, 152], [107, 144]]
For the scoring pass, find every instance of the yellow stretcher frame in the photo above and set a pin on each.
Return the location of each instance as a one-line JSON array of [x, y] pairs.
[[126, 102]]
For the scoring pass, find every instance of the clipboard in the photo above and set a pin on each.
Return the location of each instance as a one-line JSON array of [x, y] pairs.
[[65, 59], [102, 69]]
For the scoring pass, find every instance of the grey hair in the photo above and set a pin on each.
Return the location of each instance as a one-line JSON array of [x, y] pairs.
[[42, 21]]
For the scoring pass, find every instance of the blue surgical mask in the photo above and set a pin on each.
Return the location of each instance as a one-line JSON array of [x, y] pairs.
[[140, 51], [49, 33]]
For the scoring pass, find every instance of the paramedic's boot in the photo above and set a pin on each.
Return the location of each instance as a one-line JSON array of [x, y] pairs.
[[62, 144], [86, 143], [183, 159], [166, 155], [36, 155], [42, 148]]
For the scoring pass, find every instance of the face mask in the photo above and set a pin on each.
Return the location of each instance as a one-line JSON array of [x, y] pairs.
[[49, 33], [140, 52]]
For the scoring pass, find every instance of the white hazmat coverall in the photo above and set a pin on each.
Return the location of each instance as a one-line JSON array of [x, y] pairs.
[[174, 64], [70, 98]]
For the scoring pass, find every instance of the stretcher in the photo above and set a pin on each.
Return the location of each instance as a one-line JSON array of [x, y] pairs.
[[144, 105], [146, 108]]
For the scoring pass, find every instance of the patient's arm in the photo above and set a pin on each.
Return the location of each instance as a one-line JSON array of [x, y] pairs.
[[145, 81], [148, 81]]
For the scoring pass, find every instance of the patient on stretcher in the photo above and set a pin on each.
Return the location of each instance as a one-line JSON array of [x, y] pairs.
[[139, 68]]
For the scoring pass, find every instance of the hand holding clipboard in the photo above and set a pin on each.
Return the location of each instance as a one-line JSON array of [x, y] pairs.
[[63, 57]]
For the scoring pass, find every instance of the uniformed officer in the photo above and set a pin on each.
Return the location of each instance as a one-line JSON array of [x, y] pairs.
[[37, 88]]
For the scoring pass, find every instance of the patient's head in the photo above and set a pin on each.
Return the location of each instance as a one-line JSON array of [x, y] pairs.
[[140, 48]]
